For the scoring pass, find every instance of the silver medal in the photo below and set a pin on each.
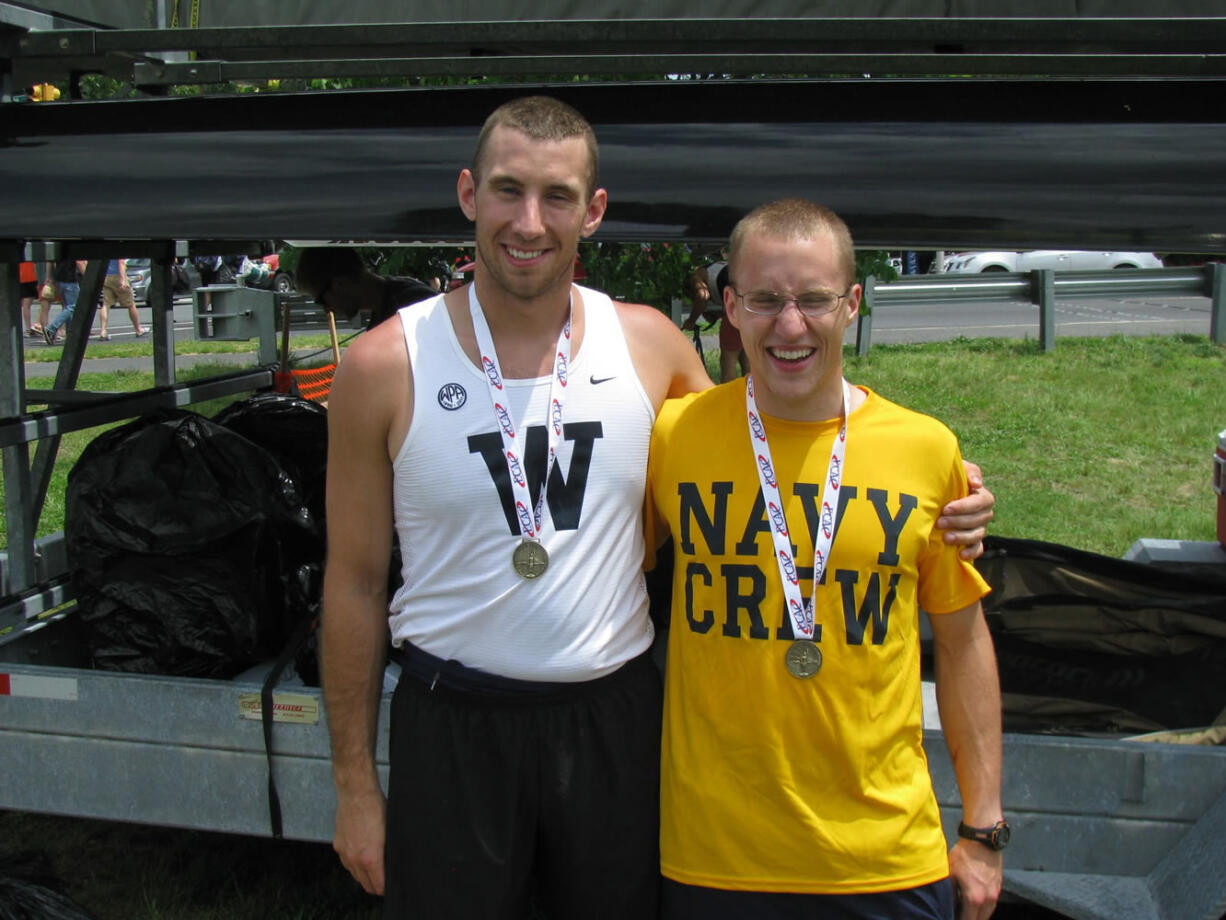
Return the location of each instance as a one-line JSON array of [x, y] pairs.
[[529, 559], [803, 659]]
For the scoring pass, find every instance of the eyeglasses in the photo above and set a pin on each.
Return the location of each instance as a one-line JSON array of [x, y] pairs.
[[771, 303]]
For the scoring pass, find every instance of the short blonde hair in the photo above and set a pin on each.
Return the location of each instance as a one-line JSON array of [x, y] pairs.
[[794, 219]]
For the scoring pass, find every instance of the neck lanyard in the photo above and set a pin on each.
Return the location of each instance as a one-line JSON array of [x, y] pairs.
[[801, 612], [529, 558]]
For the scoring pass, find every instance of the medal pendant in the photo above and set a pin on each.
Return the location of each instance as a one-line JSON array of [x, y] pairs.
[[530, 559], [803, 659]]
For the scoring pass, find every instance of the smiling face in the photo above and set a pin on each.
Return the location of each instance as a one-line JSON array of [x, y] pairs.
[[531, 207], [796, 360]]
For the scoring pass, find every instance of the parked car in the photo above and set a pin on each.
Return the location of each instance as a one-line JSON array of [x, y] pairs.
[[279, 280], [183, 279], [1058, 259], [138, 277]]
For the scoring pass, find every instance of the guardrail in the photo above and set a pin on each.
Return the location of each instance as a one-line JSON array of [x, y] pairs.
[[1044, 287]]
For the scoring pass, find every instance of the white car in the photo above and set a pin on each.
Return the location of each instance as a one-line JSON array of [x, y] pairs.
[[1057, 259]]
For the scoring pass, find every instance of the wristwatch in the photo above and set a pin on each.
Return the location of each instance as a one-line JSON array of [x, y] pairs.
[[995, 837]]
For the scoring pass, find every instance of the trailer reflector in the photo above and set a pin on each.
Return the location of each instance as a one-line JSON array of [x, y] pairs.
[[38, 686]]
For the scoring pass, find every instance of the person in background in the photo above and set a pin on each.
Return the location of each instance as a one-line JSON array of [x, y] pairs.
[[706, 287], [803, 515], [116, 289], [338, 280], [27, 276], [65, 276]]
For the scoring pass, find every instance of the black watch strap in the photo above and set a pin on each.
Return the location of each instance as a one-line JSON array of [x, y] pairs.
[[995, 837]]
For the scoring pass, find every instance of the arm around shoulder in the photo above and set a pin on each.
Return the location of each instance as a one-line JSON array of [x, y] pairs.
[[664, 358]]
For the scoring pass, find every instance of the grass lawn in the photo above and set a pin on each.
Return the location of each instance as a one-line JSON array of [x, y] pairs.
[[1094, 445]]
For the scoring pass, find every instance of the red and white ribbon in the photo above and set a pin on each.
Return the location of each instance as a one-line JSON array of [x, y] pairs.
[[800, 611], [514, 437]]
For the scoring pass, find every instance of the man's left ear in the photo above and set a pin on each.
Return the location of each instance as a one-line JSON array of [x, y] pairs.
[[853, 302], [595, 212]]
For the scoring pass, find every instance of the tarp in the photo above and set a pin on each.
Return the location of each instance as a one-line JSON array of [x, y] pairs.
[[1086, 642]]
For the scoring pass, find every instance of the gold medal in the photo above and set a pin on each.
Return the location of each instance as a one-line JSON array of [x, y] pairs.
[[803, 658], [530, 559]]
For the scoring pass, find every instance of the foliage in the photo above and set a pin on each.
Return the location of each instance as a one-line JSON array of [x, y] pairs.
[[875, 262], [651, 273], [421, 262]]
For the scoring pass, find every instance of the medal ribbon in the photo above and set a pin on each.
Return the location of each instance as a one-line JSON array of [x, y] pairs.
[[801, 612], [514, 441]]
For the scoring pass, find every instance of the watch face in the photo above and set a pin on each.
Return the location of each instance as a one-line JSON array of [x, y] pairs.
[[1000, 836]]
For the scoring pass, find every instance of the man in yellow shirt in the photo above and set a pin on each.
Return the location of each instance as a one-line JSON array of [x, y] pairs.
[[803, 514]]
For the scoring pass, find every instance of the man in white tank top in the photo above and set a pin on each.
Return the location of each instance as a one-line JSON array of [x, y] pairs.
[[500, 430]]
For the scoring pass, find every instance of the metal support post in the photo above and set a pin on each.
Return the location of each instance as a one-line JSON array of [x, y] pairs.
[[1215, 280], [161, 308], [19, 519], [66, 374], [1043, 292], [864, 323]]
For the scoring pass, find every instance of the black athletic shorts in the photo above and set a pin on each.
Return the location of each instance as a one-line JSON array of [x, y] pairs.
[[540, 794], [691, 902]]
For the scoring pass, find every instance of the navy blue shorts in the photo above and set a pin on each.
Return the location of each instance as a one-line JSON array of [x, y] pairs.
[[505, 797], [691, 902]]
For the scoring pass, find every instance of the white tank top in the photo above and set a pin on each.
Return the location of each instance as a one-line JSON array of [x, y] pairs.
[[587, 614]]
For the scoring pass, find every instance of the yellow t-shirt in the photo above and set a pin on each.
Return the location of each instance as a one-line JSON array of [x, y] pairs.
[[770, 782]]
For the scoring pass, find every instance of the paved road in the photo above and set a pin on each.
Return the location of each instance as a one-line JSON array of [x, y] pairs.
[[120, 330], [1140, 315]]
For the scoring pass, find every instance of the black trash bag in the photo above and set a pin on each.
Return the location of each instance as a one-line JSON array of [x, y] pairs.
[[176, 531], [295, 432]]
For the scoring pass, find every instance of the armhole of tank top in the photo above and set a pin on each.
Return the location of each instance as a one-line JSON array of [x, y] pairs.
[[419, 318], [403, 318]]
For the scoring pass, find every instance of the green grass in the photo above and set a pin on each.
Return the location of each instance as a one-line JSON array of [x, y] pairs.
[[142, 348], [1094, 445]]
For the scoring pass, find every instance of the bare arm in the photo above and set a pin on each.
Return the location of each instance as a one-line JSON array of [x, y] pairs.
[[965, 521], [361, 416], [968, 697], [664, 359], [701, 302]]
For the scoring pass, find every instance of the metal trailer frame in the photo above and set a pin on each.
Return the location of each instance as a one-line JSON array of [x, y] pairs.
[[1104, 828]]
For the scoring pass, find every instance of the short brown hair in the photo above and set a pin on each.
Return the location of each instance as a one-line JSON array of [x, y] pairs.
[[795, 219], [542, 118]]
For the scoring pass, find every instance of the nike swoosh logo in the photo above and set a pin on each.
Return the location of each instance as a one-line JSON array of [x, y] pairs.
[[594, 380]]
